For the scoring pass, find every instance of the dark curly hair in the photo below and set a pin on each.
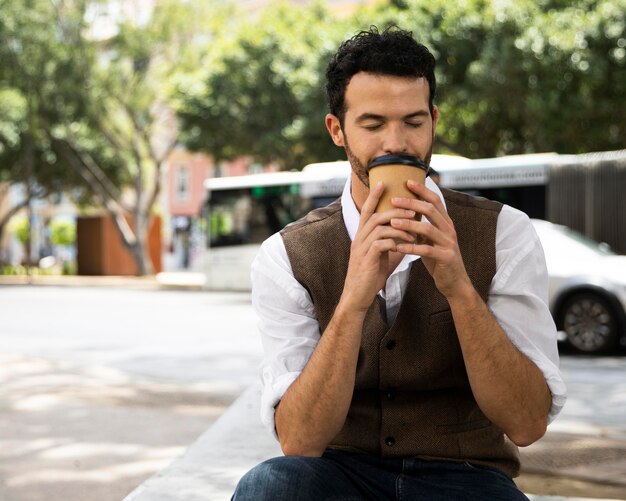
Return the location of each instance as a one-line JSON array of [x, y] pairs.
[[393, 52]]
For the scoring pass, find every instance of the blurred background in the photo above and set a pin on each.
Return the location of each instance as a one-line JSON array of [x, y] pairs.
[[116, 112], [151, 144]]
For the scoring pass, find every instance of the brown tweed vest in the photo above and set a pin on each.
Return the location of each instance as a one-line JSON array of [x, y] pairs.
[[412, 396]]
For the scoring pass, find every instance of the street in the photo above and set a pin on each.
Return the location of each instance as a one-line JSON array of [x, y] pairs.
[[102, 387]]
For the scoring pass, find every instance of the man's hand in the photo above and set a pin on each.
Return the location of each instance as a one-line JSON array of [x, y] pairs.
[[508, 387], [368, 268], [436, 242]]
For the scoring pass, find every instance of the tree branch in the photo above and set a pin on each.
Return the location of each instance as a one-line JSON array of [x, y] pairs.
[[30, 194], [109, 135], [95, 170], [64, 150], [144, 204], [12, 211]]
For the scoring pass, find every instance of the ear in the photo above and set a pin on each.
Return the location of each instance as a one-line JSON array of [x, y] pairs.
[[435, 118], [334, 129]]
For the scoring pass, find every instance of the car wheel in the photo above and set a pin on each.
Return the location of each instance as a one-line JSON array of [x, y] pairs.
[[590, 323]]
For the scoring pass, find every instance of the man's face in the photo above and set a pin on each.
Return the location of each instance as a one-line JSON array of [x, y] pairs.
[[384, 114]]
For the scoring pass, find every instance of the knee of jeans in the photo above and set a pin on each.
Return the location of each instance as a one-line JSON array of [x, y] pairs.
[[271, 479]]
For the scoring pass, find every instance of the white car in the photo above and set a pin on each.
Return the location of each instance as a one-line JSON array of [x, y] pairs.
[[587, 289]]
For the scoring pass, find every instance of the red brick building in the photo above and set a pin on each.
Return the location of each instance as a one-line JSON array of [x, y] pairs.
[[183, 198]]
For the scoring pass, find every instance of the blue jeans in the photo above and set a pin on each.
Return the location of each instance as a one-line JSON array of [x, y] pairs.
[[343, 476]]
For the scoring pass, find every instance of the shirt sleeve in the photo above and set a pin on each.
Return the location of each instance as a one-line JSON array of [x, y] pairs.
[[519, 299], [286, 321]]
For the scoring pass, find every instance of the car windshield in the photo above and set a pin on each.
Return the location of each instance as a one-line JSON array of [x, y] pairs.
[[602, 249]]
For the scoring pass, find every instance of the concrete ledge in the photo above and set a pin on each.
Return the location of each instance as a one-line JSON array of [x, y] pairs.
[[535, 497], [213, 464]]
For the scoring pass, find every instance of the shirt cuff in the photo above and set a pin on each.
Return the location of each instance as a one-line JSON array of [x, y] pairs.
[[273, 391], [559, 395], [553, 379]]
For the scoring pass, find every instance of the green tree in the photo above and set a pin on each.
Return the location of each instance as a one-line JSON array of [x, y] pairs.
[[20, 227], [12, 112], [523, 76], [24, 162], [101, 106], [575, 62], [264, 95], [62, 232]]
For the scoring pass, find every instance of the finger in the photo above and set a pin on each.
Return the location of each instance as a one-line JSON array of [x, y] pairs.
[[423, 229], [387, 232], [380, 219], [426, 209], [428, 195], [371, 202], [384, 218], [428, 203], [381, 246], [420, 249]]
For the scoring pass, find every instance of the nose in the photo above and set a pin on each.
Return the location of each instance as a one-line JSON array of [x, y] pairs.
[[395, 140]]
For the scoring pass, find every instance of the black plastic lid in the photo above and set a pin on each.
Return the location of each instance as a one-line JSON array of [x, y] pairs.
[[411, 160]]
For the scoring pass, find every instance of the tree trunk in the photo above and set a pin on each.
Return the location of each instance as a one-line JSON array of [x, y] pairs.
[[138, 246], [140, 250], [142, 260], [2, 253], [4, 220]]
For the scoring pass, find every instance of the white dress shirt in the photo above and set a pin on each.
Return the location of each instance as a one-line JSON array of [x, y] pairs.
[[518, 299]]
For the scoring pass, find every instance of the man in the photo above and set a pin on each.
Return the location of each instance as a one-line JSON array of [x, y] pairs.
[[405, 370]]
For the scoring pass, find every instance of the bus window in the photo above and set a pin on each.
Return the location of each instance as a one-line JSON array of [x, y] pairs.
[[277, 204], [528, 199], [319, 202], [244, 211], [228, 218], [249, 216]]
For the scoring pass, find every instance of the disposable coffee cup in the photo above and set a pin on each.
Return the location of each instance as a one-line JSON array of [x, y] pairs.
[[394, 171]]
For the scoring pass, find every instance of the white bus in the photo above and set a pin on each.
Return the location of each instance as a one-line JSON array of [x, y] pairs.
[[242, 211]]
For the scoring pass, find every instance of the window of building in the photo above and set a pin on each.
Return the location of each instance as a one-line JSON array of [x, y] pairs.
[[182, 184]]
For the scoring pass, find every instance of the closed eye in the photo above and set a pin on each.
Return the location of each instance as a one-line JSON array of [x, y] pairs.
[[372, 127], [415, 125]]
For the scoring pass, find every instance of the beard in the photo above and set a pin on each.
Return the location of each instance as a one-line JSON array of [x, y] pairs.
[[360, 170], [357, 167]]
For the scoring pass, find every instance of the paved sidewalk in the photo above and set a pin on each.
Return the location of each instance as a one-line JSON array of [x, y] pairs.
[[211, 466], [594, 459], [165, 280], [568, 461]]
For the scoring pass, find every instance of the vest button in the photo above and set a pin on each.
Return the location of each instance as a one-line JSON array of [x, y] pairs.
[[390, 441], [391, 394], [391, 344]]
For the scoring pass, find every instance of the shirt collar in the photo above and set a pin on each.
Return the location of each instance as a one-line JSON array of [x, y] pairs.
[[351, 215]]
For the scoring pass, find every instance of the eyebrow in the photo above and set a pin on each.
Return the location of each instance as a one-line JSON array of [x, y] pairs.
[[373, 116]]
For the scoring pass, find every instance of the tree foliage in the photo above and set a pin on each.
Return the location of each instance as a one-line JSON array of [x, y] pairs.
[[264, 96], [32, 59], [20, 227], [95, 113], [62, 232], [524, 76], [516, 76], [99, 106]]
